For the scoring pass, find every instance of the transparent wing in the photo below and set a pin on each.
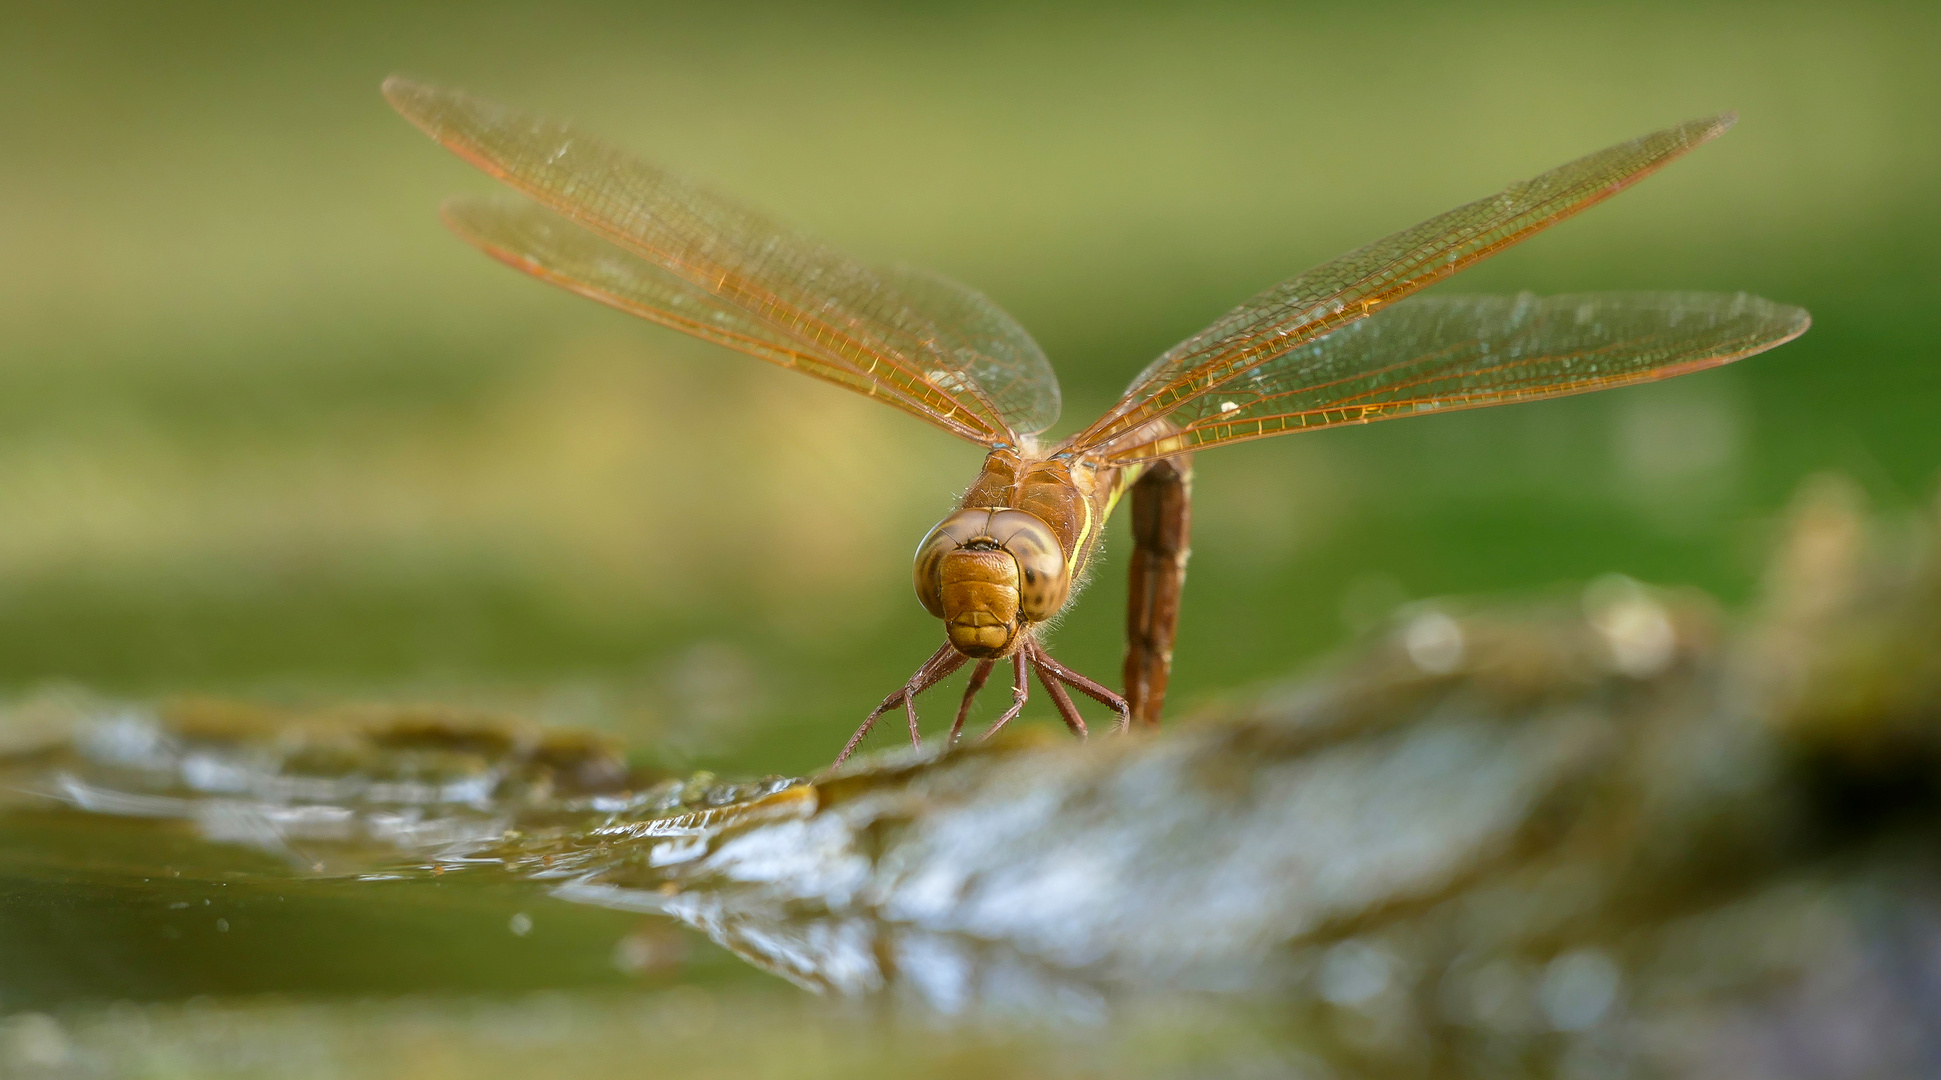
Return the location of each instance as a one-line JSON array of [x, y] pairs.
[[997, 354], [1362, 281], [1438, 353], [532, 238], [947, 350]]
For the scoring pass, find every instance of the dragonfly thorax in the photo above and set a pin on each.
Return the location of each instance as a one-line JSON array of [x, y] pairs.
[[989, 575]]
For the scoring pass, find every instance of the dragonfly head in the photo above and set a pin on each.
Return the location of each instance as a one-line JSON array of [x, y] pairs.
[[988, 574]]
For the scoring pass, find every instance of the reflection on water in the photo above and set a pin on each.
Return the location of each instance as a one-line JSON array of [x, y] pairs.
[[1608, 836]]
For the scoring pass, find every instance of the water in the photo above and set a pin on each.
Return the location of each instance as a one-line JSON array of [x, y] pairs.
[[1535, 852]]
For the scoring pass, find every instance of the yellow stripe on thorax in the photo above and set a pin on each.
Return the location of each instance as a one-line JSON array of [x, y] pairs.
[[1075, 560], [1081, 552]]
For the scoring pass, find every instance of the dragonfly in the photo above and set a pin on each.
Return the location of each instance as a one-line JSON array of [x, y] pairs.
[[1347, 342]]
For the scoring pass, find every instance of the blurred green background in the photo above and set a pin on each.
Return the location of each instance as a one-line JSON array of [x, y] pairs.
[[265, 429]]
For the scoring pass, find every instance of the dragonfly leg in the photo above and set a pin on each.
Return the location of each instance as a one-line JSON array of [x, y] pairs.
[[1049, 679], [1020, 689], [941, 663], [1088, 687], [978, 675], [1162, 518]]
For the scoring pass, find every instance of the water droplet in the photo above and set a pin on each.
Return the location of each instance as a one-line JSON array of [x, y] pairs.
[[1635, 627], [1578, 989], [1434, 642], [1353, 973]]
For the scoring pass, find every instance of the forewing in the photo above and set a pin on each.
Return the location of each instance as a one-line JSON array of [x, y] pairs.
[[829, 304], [993, 351], [532, 238], [1439, 353], [1362, 281]]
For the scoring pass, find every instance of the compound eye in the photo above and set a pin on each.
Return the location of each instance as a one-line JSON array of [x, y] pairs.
[[1044, 582], [950, 534]]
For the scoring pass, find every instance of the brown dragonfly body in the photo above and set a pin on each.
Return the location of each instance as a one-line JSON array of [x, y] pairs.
[[1344, 343], [1009, 560]]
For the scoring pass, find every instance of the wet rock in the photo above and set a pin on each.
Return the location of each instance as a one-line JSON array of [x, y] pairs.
[[1596, 835]]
